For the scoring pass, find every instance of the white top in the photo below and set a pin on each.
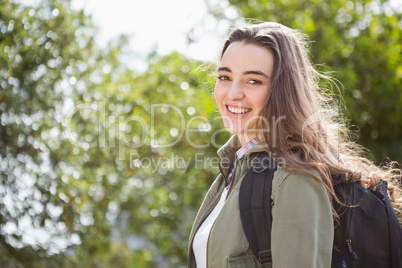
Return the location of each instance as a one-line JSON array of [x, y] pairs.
[[201, 237]]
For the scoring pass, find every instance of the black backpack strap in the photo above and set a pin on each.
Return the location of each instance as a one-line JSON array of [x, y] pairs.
[[394, 227], [255, 207]]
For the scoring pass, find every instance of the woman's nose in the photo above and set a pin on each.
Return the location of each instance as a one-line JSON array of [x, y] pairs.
[[236, 91]]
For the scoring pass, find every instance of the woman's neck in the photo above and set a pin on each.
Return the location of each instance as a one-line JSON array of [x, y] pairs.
[[244, 139]]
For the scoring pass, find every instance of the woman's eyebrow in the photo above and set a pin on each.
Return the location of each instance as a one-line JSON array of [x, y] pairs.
[[257, 73], [226, 69]]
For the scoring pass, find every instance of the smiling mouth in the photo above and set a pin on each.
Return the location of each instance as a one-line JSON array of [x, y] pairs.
[[237, 110]]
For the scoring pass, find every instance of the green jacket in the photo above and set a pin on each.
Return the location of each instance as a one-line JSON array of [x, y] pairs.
[[302, 225]]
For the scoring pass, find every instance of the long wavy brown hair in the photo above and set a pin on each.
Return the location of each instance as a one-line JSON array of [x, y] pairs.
[[310, 132]]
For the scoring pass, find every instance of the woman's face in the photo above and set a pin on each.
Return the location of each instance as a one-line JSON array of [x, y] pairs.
[[244, 80]]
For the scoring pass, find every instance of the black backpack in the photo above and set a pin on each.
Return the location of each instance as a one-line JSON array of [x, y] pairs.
[[369, 233]]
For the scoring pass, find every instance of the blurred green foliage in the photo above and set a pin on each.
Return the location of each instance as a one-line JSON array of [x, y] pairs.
[[78, 185], [86, 180]]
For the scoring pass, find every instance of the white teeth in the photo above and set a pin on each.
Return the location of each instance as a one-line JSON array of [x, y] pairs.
[[238, 110]]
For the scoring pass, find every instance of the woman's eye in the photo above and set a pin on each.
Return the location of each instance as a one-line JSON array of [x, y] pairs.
[[223, 78], [254, 82]]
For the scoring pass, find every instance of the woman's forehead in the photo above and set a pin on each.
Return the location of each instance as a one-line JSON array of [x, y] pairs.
[[243, 57]]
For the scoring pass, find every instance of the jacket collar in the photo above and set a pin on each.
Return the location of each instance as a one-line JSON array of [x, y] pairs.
[[227, 153], [229, 149]]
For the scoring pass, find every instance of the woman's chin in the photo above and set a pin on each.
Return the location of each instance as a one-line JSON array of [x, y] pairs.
[[235, 131]]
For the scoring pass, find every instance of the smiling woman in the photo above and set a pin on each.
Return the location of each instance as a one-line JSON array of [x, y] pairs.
[[268, 95], [244, 80]]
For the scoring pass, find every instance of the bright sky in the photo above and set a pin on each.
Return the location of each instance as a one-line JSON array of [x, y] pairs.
[[160, 23]]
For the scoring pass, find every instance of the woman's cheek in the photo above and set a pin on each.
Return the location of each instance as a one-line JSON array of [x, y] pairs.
[[219, 95]]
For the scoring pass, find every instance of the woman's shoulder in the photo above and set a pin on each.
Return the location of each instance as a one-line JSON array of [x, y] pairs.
[[296, 181]]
